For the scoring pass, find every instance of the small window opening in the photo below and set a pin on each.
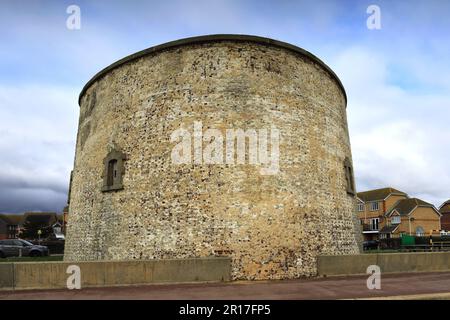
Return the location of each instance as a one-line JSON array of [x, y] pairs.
[[349, 177]]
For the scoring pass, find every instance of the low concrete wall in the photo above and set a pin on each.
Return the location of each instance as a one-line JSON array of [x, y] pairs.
[[388, 263], [52, 275], [6, 275]]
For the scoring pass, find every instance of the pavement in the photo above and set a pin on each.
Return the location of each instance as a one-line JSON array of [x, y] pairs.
[[393, 286]]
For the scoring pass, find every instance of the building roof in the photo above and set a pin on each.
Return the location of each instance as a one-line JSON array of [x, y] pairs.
[[405, 206], [379, 194], [445, 207], [389, 229], [4, 219], [210, 39], [13, 219], [41, 217]]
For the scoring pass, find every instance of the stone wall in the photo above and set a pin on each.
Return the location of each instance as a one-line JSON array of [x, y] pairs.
[[272, 226]]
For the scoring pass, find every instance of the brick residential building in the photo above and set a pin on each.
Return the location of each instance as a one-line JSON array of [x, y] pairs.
[[444, 209], [372, 207], [388, 212], [10, 225], [412, 217]]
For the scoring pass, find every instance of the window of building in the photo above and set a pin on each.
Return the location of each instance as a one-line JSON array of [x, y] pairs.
[[374, 223], [360, 207], [374, 206], [395, 220], [349, 176], [113, 172], [420, 232]]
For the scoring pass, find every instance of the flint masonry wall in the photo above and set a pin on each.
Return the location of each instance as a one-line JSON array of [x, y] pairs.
[[272, 226]]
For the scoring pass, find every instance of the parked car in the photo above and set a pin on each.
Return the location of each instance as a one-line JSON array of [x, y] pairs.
[[13, 247], [370, 244]]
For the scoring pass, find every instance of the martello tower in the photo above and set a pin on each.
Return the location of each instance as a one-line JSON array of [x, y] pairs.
[[130, 200]]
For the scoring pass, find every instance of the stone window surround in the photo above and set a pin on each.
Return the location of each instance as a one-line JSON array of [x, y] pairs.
[[117, 184], [349, 176]]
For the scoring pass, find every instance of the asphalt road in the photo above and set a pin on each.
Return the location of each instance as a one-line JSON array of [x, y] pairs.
[[319, 288]]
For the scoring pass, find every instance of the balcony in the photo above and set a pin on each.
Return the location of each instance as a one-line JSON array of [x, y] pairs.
[[369, 227]]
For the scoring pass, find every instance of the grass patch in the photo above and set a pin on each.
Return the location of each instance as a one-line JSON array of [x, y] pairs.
[[32, 259]]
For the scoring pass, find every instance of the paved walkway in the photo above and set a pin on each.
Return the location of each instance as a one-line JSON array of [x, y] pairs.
[[418, 284]]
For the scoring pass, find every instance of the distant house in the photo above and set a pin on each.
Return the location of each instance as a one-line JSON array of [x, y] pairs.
[[58, 230], [444, 209], [10, 225], [372, 207], [388, 212], [412, 217], [4, 222], [47, 218]]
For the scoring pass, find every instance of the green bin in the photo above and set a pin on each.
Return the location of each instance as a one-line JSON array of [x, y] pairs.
[[408, 240]]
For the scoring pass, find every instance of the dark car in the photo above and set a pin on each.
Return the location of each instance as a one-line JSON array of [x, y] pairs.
[[370, 244], [13, 247]]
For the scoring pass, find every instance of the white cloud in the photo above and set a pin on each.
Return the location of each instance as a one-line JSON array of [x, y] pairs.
[[38, 132], [399, 136]]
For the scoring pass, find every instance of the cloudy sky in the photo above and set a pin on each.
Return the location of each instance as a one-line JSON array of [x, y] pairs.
[[397, 80]]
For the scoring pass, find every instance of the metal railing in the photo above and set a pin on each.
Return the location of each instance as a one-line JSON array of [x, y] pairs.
[[369, 227], [435, 246]]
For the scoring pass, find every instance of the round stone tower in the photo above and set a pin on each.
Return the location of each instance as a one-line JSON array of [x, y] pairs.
[[223, 145]]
